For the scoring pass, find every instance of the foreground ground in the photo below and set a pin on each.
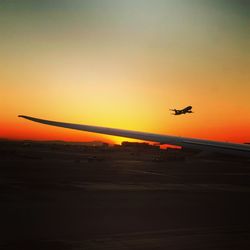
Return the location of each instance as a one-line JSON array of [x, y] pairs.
[[61, 196]]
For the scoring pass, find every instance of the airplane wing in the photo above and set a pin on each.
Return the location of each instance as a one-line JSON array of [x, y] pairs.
[[216, 146]]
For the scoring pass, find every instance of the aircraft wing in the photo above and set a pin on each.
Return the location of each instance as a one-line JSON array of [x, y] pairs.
[[216, 146]]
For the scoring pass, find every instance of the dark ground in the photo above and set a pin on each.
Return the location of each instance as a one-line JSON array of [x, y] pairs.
[[62, 196]]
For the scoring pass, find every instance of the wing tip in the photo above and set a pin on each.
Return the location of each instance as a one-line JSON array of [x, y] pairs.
[[23, 116]]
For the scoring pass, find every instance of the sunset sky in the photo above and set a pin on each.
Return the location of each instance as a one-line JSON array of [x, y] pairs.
[[123, 64]]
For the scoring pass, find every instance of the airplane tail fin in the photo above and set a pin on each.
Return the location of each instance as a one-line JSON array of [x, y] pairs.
[[175, 111]]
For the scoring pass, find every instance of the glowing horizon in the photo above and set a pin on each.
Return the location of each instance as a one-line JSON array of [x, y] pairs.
[[123, 64]]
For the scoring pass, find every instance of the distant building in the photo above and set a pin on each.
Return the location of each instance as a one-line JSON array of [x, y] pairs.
[[139, 146]]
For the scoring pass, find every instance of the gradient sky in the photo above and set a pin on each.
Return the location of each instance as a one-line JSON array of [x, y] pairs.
[[123, 64]]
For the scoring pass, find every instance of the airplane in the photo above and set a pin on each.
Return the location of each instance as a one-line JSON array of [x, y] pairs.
[[236, 149], [188, 109]]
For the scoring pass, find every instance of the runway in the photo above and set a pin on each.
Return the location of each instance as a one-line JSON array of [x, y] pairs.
[[68, 198]]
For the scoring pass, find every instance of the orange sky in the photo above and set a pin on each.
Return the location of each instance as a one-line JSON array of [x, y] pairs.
[[123, 64]]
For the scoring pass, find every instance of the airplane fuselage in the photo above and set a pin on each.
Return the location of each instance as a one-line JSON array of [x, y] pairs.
[[188, 109]]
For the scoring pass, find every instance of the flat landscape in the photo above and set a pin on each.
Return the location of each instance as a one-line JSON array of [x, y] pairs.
[[57, 195]]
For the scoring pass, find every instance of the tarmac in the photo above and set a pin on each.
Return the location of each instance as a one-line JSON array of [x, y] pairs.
[[58, 195]]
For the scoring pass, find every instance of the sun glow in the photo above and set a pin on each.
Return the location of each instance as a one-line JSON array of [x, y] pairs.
[[123, 64]]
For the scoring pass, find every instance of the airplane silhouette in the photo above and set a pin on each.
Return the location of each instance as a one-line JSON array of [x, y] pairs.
[[193, 143], [184, 111]]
